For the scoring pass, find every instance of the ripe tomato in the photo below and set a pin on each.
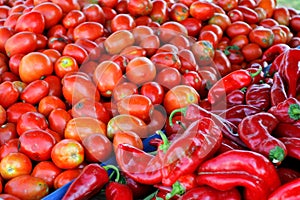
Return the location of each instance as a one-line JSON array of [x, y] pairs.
[[117, 41], [192, 79], [124, 89], [127, 137], [15, 164], [33, 66], [47, 171], [179, 97], [139, 7], [281, 15], [280, 36], [106, 77], [97, 147], [65, 64], [163, 60], [7, 132], [67, 154], [9, 94], [16, 110], [203, 52], [80, 127], [221, 20], [235, 15], [5, 34], [251, 52], [49, 103], [65, 177], [35, 91], [192, 25], [2, 115], [125, 122], [55, 86], [58, 119], [179, 12], [202, 10], [32, 21], [75, 51], [238, 28], [9, 197], [132, 52], [27, 187], [94, 13], [222, 63], [250, 15], [239, 41], [159, 11], [122, 22], [268, 6], [21, 43], [157, 119], [262, 36], [168, 78], [11, 146], [226, 5], [154, 91], [88, 30], [31, 120], [209, 36], [68, 5], [140, 70], [295, 23]]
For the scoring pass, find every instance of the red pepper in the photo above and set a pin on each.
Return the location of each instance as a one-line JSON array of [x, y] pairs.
[[287, 111], [292, 145], [228, 145], [139, 165], [236, 97], [258, 95], [237, 113], [255, 68], [287, 130], [240, 168], [278, 93], [288, 191], [272, 52], [232, 81], [90, 181], [118, 191], [194, 112], [199, 141], [287, 174], [206, 192], [255, 132]]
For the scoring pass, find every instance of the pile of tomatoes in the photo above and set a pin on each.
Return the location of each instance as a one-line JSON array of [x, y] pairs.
[[77, 78]]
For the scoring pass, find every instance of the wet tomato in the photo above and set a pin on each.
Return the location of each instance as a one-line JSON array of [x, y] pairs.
[[202, 10], [9, 94], [49, 103], [32, 21], [58, 119], [139, 7]]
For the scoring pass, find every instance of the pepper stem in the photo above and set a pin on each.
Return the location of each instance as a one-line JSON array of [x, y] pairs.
[[165, 144], [294, 111], [179, 110], [177, 188], [256, 73], [115, 169], [276, 155]]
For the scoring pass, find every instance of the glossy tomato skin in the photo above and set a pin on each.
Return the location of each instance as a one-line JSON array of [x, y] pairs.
[[157, 119], [9, 94], [264, 37], [88, 30], [127, 137], [139, 7], [124, 89], [94, 13], [192, 25], [5, 33], [122, 22], [98, 148], [202, 10], [37, 144], [75, 51], [2, 115], [65, 64], [31, 120], [168, 78], [251, 52], [193, 79], [67, 154], [159, 11], [16, 110], [58, 119], [47, 171], [32, 21], [27, 187], [14, 165], [35, 91], [154, 91], [23, 42], [8, 147], [65, 177], [55, 86]]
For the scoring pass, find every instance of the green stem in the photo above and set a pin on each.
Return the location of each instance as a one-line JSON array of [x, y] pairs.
[[256, 73], [294, 111], [116, 170], [276, 155], [151, 196], [174, 112], [177, 188], [166, 144]]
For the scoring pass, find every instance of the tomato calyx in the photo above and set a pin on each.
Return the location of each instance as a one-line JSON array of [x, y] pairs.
[[228, 48]]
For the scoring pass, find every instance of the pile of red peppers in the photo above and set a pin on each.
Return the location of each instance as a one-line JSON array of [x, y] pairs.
[[250, 150]]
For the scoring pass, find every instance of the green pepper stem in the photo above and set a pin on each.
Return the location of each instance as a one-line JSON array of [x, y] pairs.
[[276, 155], [294, 111], [177, 188], [256, 73], [166, 144], [179, 110], [116, 170]]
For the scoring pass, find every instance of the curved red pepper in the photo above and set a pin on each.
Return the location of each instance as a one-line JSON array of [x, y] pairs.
[[240, 168], [287, 111], [255, 131], [278, 93], [292, 145], [288, 191], [272, 52], [236, 97], [206, 192], [199, 141], [90, 181], [232, 81], [258, 95]]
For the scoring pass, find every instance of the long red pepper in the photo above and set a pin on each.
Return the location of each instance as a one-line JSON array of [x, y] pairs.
[[240, 168], [287, 130], [278, 93], [232, 81], [199, 141], [90, 181], [272, 52], [288, 191], [255, 131]]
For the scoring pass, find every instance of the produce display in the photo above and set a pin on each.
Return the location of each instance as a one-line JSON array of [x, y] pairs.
[[149, 99]]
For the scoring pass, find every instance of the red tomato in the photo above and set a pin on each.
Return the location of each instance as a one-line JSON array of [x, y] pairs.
[[122, 22], [51, 12], [281, 15], [192, 79], [35, 91], [7, 132], [239, 41], [9, 94], [203, 52], [58, 119], [179, 12], [251, 52], [125, 122], [67, 5], [170, 29], [47, 171], [159, 11], [98, 148], [89, 45], [21, 43], [154, 91], [124, 89], [33, 66], [106, 77], [65, 177], [32, 21], [80, 127], [5, 34], [88, 30], [280, 36], [67, 154], [132, 52], [295, 23], [268, 6], [58, 42], [226, 5], [37, 144], [139, 7], [221, 20], [27, 187], [158, 119], [49, 103], [250, 16], [180, 96], [55, 86], [14, 165], [262, 36], [168, 78], [94, 13], [9, 197], [238, 28], [187, 60], [117, 41], [16, 110], [202, 10], [127, 137], [150, 44], [209, 36], [235, 15], [192, 26], [14, 63], [2, 115], [31, 120], [11, 20], [41, 42], [75, 51], [90, 108], [166, 59], [65, 64], [8, 147]]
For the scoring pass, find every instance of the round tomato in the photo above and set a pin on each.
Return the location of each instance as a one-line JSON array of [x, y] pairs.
[[65, 177], [94, 13], [75, 51], [16, 110], [31, 120], [122, 22], [124, 89], [262, 36], [32, 21], [49, 103], [58, 119], [9, 94], [251, 52], [203, 52], [65, 64], [127, 137], [7, 132], [192, 25], [67, 154], [154, 91], [139, 7], [55, 86], [202, 10], [168, 78], [179, 12], [159, 11]]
